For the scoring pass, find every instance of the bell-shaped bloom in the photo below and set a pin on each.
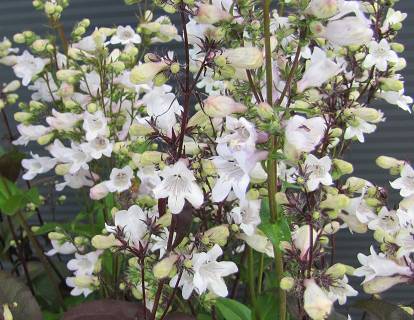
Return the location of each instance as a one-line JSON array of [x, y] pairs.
[[317, 172], [98, 147], [61, 248], [348, 31], [259, 242], [222, 106], [37, 165], [64, 121], [247, 215], [120, 179], [320, 70], [27, 66], [340, 290], [178, 185], [381, 284], [95, 124], [405, 183], [30, 133], [125, 35], [85, 264], [317, 304], [380, 54], [211, 14], [302, 240], [322, 9]]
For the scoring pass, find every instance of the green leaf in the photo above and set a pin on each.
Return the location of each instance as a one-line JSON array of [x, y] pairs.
[[267, 306], [276, 232], [47, 227], [14, 290], [233, 310], [10, 164], [382, 310]]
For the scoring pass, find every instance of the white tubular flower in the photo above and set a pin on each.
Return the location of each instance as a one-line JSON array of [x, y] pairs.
[[313, 77], [178, 185], [381, 284], [91, 43], [259, 242], [393, 17], [303, 135], [207, 274], [340, 290], [30, 133], [120, 179], [149, 179], [82, 285], [317, 171], [42, 92], [302, 240], [380, 54], [125, 36], [95, 124], [64, 121], [378, 265], [358, 207], [386, 220], [244, 57], [86, 264], [27, 66], [222, 106], [316, 302], [322, 9], [397, 98], [98, 147], [356, 129], [405, 183], [133, 224], [98, 191], [37, 165], [73, 156], [80, 179], [211, 14], [61, 248], [348, 31], [247, 216]]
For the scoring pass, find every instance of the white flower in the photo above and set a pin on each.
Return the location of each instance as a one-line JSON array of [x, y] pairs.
[[222, 106], [84, 264], [30, 133], [393, 17], [61, 248], [302, 240], [357, 127], [303, 135], [91, 83], [63, 121], [80, 179], [91, 43], [178, 185], [313, 77], [44, 91], [259, 242], [74, 157], [378, 265], [27, 66], [95, 125], [317, 171], [385, 220], [161, 242], [247, 215], [98, 147], [316, 302], [82, 285], [397, 98], [348, 31], [133, 224], [149, 179], [207, 274], [120, 179], [125, 35], [405, 183], [379, 55], [37, 165], [340, 290], [358, 207]]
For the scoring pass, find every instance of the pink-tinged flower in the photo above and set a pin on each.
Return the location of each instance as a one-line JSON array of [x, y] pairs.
[[178, 185], [222, 106], [313, 77], [206, 274], [302, 240], [348, 31], [98, 191], [244, 57], [120, 179], [27, 66], [317, 304], [317, 172], [378, 265], [211, 14], [37, 165], [405, 183], [64, 121]]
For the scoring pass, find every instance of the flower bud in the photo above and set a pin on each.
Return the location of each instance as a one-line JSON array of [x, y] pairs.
[[67, 75], [165, 220], [281, 198], [343, 167], [85, 281], [101, 242], [287, 283], [19, 38], [385, 162], [354, 184], [146, 72], [56, 236], [397, 47], [7, 315], [12, 86], [382, 236], [22, 116], [45, 139], [332, 228], [265, 111], [322, 9], [40, 45], [62, 169], [337, 270], [222, 106], [211, 14], [316, 302], [217, 235], [336, 202], [389, 84], [244, 57], [164, 268], [369, 114], [175, 68], [381, 284], [98, 191]]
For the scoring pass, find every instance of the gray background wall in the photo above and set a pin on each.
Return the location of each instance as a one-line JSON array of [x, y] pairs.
[[395, 136]]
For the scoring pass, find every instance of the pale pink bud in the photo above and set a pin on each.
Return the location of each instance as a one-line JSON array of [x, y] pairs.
[[244, 58], [222, 106], [211, 14], [99, 191], [316, 302], [302, 240], [322, 9]]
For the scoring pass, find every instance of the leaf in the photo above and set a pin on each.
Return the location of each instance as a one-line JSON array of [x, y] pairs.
[[13, 198], [105, 309], [10, 164], [382, 310], [47, 227], [276, 232], [14, 290], [233, 310], [267, 306]]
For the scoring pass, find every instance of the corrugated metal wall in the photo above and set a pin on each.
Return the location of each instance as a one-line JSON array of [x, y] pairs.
[[396, 136]]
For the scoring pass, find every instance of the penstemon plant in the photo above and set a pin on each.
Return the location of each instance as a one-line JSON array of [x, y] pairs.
[[213, 178]]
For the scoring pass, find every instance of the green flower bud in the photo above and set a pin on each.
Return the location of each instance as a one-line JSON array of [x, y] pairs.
[[165, 267], [56, 236], [343, 167], [287, 283], [45, 139], [175, 68], [385, 162], [397, 47], [338, 270], [19, 38], [101, 242], [389, 84], [217, 235], [12, 86], [22, 116]]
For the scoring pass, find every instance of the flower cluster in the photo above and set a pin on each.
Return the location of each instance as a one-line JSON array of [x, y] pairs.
[[199, 162]]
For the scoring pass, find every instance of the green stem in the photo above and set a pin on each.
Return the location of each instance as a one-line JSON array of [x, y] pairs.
[[42, 258], [272, 163], [260, 274], [251, 278]]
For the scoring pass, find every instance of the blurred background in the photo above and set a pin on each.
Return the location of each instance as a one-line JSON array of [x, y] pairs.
[[395, 137]]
